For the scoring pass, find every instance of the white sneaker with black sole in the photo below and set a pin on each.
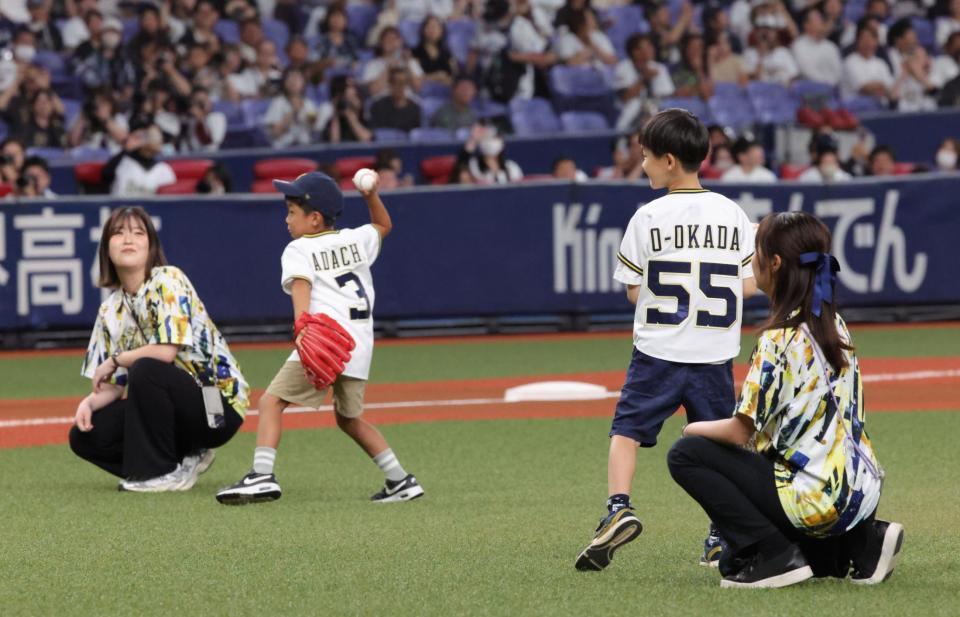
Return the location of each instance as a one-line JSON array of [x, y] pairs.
[[402, 490], [252, 488]]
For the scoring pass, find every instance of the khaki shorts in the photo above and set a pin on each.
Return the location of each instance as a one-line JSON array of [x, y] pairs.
[[291, 385]]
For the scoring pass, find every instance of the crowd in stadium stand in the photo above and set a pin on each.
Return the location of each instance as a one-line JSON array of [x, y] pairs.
[[134, 82]]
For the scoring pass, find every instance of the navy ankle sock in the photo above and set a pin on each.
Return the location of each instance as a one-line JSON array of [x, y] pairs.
[[618, 502]]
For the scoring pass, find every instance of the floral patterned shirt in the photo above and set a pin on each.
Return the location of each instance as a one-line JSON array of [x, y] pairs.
[[167, 310], [826, 483]]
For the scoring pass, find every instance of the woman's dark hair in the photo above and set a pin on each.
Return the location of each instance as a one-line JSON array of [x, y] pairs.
[[290, 70], [680, 133], [378, 50], [790, 234], [118, 218], [442, 43], [338, 85], [334, 8]]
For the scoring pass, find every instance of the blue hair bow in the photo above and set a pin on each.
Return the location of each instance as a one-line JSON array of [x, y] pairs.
[[824, 280]]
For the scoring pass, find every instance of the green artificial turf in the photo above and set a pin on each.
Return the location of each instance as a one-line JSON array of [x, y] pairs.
[[37, 376], [508, 506]]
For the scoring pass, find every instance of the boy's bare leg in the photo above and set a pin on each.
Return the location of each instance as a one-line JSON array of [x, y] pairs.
[[365, 434], [621, 465], [270, 421]]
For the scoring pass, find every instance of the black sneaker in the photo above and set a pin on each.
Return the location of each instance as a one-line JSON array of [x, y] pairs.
[[879, 558], [712, 548], [252, 488], [402, 490], [615, 530], [787, 568]]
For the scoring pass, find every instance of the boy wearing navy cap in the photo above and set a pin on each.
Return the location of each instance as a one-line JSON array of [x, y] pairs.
[[326, 270]]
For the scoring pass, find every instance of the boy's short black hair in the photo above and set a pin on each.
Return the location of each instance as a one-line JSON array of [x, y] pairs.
[[898, 30], [680, 133]]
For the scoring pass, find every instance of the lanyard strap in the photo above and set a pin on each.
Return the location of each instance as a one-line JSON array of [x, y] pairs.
[[847, 438]]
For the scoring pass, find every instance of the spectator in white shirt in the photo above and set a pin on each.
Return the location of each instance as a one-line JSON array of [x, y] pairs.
[[203, 128], [75, 29], [292, 118], [259, 80], [750, 164], [877, 10], [825, 170], [817, 57], [912, 68], [418, 10], [565, 168], [529, 43], [948, 24], [640, 81], [947, 65], [864, 73], [584, 43], [391, 52], [768, 60], [136, 172]]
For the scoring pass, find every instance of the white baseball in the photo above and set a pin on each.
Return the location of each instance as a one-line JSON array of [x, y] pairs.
[[365, 179]]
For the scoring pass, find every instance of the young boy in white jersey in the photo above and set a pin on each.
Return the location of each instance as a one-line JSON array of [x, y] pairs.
[[326, 270], [685, 259]]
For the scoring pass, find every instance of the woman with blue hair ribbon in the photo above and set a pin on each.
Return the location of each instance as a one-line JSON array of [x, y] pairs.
[[802, 501]]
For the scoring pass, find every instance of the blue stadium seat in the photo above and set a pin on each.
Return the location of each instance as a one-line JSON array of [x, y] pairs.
[[771, 102], [853, 10], [485, 108], [863, 103], [428, 107], [533, 117], [430, 135], [583, 121], [87, 153], [390, 136], [813, 93], [360, 18], [434, 89], [581, 88], [622, 23], [254, 110], [278, 32], [228, 30], [460, 34], [52, 61], [410, 31], [693, 104], [236, 118], [319, 93], [51, 154], [732, 109], [71, 109], [131, 25], [925, 33]]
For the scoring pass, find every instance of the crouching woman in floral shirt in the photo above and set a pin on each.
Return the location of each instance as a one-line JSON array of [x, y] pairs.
[[804, 503], [153, 338]]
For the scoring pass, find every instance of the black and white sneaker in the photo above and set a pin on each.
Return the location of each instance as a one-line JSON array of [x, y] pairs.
[[252, 488], [788, 568], [876, 564], [615, 530], [402, 490]]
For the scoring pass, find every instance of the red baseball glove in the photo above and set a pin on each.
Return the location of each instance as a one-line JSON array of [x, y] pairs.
[[324, 348]]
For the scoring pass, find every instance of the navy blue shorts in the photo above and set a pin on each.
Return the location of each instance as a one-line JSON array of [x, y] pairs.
[[656, 388]]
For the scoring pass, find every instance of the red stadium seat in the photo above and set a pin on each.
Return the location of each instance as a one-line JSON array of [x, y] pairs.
[[346, 184], [348, 166], [282, 169], [789, 171], [190, 169], [263, 185], [180, 187], [89, 174], [5, 189], [709, 172], [902, 169], [437, 169]]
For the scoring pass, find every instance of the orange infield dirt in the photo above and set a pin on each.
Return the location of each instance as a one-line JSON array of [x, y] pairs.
[[891, 384]]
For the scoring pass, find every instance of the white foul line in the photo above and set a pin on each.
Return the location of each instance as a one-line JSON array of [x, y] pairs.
[[880, 377]]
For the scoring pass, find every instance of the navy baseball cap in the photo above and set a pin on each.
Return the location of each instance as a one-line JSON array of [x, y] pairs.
[[316, 190]]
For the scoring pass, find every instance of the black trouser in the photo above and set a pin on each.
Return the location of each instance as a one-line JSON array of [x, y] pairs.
[[737, 490], [148, 433]]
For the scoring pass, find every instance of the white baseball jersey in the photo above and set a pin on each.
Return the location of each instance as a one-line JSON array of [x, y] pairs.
[[689, 251], [337, 265]]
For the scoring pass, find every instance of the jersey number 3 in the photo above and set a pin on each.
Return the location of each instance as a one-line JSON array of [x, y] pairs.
[[355, 313], [708, 270]]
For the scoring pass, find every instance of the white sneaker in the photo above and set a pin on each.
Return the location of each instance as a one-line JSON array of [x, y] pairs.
[[179, 479]]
